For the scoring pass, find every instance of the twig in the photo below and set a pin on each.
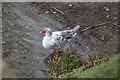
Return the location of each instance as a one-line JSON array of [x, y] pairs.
[[102, 24], [116, 25], [52, 11], [58, 10]]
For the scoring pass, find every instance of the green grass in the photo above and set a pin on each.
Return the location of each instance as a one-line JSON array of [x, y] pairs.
[[107, 69]]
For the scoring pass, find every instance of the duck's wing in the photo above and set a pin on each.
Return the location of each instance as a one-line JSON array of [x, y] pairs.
[[70, 33], [58, 39]]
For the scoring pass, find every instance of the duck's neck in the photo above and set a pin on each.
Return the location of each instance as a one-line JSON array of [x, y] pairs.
[[48, 33]]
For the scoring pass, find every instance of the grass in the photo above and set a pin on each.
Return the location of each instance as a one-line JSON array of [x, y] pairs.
[[107, 69]]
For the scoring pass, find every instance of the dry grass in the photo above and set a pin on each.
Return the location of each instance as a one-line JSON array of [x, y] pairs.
[[65, 61]]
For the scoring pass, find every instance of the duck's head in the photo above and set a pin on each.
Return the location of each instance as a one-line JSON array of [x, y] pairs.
[[45, 31]]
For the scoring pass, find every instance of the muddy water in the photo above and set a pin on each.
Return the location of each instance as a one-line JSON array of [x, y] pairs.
[[22, 48]]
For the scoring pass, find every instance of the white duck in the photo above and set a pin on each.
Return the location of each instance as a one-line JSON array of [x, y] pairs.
[[57, 39]]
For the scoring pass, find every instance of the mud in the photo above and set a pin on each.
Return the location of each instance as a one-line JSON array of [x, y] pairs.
[[22, 48]]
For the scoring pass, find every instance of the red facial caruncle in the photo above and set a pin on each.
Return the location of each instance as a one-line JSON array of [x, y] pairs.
[[42, 31]]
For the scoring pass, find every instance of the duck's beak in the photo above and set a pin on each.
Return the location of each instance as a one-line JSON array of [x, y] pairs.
[[41, 33]]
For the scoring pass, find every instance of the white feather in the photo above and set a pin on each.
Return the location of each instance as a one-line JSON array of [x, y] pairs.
[[58, 39]]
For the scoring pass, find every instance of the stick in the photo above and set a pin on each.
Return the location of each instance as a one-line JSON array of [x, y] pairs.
[[58, 10], [52, 11], [102, 24]]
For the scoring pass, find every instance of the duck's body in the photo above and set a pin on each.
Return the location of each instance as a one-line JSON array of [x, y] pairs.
[[57, 39]]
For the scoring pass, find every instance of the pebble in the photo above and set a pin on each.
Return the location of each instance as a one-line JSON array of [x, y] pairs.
[[70, 5]]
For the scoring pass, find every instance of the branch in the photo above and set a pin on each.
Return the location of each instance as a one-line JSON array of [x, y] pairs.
[[58, 10], [102, 24], [116, 25], [52, 11]]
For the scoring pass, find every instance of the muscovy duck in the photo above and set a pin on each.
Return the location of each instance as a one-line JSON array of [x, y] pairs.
[[57, 39]]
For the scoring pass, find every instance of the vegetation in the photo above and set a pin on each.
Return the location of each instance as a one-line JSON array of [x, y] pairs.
[[104, 70], [62, 61], [69, 63]]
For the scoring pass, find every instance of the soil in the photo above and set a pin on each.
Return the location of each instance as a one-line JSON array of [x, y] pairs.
[[23, 53]]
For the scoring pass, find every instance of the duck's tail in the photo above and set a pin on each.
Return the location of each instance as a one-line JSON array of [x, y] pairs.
[[76, 28], [72, 32]]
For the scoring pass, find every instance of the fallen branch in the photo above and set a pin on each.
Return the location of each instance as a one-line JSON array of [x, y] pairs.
[[52, 11], [102, 24], [116, 24], [58, 10]]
